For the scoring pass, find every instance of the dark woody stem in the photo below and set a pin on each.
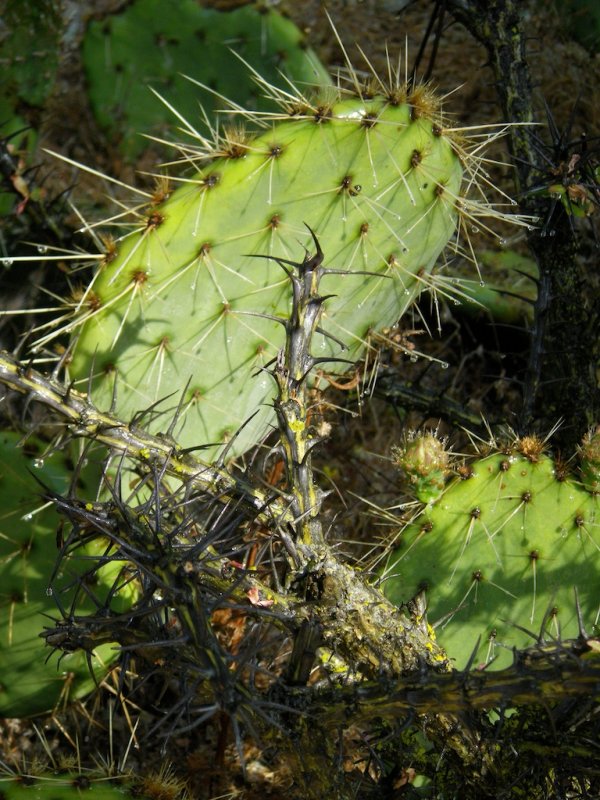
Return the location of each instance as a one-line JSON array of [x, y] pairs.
[[292, 367]]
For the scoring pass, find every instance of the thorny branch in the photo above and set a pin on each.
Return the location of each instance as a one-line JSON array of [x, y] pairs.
[[561, 379], [85, 420]]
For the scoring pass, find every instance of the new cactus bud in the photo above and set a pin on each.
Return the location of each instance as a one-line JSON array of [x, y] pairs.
[[589, 461], [423, 461]]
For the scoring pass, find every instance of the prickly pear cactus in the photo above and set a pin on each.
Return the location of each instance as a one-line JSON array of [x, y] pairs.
[[143, 46], [505, 547], [31, 682], [181, 306]]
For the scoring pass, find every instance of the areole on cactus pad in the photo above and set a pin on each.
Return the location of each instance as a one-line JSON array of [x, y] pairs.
[[182, 308]]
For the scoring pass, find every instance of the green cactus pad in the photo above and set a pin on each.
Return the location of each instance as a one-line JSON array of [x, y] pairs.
[[507, 546], [508, 292], [143, 46], [378, 179], [32, 680], [30, 50]]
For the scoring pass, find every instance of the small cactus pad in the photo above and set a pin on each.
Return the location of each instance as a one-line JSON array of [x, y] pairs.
[[144, 46], [78, 785], [179, 308], [31, 682], [507, 546]]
